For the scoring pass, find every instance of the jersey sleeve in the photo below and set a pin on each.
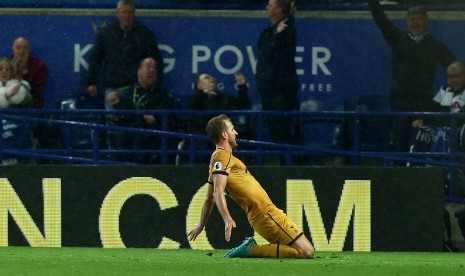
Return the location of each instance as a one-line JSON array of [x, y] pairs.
[[220, 163]]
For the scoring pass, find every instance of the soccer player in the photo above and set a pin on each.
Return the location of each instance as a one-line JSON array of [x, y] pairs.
[[227, 173]]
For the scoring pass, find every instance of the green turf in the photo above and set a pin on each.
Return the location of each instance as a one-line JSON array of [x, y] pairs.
[[98, 261]]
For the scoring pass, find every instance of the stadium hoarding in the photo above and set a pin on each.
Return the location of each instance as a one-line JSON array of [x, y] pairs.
[[339, 208], [342, 55]]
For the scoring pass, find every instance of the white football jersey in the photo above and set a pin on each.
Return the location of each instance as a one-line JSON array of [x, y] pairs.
[[445, 97]]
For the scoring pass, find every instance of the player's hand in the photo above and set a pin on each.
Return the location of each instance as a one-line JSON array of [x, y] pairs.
[[194, 232], [228, 226]]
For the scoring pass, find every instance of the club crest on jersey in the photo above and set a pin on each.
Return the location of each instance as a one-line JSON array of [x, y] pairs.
[[218, 166]]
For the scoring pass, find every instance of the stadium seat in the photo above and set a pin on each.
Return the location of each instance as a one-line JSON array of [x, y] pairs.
[[374, 132], [79, 138], [321, 131]]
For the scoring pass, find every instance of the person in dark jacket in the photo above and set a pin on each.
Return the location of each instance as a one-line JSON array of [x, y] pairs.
[[276, 75], [416, 55], [31, 69], [143, 95], [118, 50]]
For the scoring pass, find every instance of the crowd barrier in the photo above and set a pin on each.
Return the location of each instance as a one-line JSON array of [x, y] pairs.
[[77, 137]]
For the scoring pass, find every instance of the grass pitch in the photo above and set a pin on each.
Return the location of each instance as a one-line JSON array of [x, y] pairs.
[[98, 261]]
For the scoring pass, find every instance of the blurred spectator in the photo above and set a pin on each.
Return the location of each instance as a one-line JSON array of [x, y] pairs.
[[143, 95], [31, 69], [207, 97], [451, 97], [276, 74], [14, 93], [415, 57], [118, 50], [433, 134]]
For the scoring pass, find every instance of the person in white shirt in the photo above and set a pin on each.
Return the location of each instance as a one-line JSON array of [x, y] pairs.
[[452, 95]]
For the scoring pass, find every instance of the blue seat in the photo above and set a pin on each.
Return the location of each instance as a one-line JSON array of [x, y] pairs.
[[321, 131], [16, 134], [375, 133], [80, 138]]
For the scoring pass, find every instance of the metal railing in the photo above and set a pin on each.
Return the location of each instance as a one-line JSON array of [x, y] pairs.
[[176, 144]]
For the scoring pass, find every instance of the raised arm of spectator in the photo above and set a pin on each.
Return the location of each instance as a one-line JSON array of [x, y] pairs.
[[242, 100], [382, 21]]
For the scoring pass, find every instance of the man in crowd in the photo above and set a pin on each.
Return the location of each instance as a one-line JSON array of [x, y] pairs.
[[118, 50], [416, 55], [276, 75], [145, 94]]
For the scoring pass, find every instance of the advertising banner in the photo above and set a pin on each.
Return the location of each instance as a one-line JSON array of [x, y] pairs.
[[352, 209], [346, 57]]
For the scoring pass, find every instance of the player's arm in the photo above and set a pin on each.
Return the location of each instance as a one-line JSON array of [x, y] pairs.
[[219, 181], [204, 215]]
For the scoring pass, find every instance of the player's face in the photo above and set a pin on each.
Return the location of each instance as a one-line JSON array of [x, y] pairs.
[[417, 23], [232, 134]]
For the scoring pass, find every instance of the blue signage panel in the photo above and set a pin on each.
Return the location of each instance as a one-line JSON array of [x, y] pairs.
[[344, 57]]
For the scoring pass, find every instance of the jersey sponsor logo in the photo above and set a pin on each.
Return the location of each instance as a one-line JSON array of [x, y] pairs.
[[218, 166]]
